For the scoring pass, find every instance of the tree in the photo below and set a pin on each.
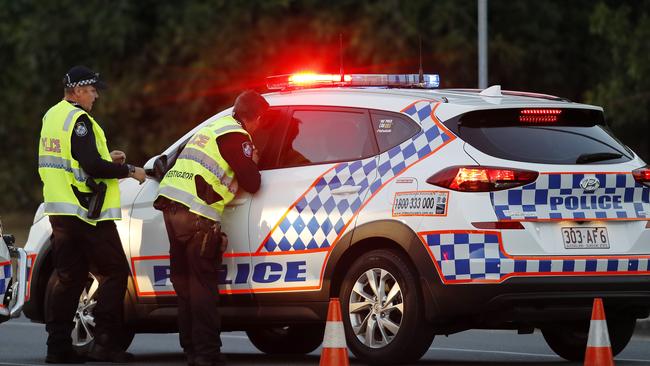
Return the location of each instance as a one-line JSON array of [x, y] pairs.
[[625, 89]]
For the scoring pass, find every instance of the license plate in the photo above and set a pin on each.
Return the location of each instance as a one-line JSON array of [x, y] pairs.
[[585, 238]]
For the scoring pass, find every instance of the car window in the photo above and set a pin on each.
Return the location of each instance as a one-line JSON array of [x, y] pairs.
[[322, 136], [579, 137], [268, 135], [391, 129]]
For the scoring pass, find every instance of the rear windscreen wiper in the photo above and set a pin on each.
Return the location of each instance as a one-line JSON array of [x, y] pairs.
[[601, 156]]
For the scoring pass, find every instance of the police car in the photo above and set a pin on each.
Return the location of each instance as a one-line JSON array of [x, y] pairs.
[[426, 211]]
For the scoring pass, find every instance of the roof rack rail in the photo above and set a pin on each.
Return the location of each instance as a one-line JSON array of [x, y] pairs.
[[517, 94], [535, 95]]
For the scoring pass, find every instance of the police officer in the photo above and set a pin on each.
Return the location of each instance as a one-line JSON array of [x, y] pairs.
[[217, 160], [78, 172]]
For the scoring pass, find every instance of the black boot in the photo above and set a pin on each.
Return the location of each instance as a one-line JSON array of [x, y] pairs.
[[105, 354], [216, 360], [68, 356]]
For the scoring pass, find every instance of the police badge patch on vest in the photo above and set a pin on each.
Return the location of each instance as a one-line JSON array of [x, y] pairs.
[[247, 147], [80, 129]]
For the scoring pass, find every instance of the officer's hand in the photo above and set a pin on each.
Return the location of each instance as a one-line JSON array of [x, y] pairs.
[[139, 175], [256, 155], [119, 157]]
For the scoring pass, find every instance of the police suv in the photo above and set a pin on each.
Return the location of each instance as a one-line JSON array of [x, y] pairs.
[[426, 211]]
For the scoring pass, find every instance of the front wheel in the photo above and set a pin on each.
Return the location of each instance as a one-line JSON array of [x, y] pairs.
[[83, 333], [290, 339], [383, 310]]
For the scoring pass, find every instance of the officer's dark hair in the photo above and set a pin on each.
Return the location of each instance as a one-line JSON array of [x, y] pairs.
[[249, 105]]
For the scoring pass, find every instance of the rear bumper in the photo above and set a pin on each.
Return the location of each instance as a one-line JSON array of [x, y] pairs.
[[534, 302]]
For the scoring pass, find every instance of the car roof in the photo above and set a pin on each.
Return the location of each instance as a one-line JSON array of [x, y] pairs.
[[454, 101]]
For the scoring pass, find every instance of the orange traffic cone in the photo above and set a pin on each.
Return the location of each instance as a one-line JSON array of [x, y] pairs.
[[335, 352], [599, 350]]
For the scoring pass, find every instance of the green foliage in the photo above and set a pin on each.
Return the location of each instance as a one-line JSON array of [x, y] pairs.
[[624, 89], [170, 64]]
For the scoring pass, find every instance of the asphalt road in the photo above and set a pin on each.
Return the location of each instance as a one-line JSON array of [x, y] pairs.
[[23, 343]]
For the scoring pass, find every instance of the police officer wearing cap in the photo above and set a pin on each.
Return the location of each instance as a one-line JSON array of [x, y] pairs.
[[217, 161], [82, 198]]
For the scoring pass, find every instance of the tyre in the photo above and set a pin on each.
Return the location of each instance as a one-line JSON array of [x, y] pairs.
[[290, 339], [83, 333], [569, 341], [382, 310]]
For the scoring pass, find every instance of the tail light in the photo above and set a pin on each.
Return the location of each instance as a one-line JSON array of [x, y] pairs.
[[642, 175], [545, 115], [481, 178]]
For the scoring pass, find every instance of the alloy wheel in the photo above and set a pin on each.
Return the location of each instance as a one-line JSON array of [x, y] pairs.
[[376, 308], [84, 319]]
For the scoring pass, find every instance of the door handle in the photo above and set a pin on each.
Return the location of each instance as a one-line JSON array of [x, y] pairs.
[[346, 190]]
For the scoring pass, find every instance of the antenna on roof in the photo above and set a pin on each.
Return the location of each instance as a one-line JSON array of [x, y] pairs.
[[421, 70], [341, 56]]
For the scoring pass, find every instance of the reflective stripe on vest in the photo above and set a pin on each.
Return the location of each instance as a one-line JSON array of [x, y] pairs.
[[68, 119], [190, 201], [222, 130], [209, 164], [72, 209], [54, 162]]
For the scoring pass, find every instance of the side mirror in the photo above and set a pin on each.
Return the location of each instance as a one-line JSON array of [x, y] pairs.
[[160, 167]]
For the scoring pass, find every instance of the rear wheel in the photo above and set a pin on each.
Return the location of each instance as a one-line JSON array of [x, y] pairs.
[[83, 333], [569, 341], [382, 310], [290, 339]]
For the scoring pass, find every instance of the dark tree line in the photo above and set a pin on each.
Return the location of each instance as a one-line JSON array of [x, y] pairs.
[[171, 64]]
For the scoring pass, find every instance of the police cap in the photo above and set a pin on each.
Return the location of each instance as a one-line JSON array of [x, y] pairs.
[[80, 76]]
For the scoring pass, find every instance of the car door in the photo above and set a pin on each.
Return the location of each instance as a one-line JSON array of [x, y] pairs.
[[149, 243], [309, 196], [236, 270]]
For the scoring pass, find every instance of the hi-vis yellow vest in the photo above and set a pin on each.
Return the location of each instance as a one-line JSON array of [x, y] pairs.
[[201, 156], [59, 170]]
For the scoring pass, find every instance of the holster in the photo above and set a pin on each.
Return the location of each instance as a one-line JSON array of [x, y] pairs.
[[96, 199], [214, 242]]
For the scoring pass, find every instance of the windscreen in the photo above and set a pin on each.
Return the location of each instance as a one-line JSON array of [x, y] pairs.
[[536, 135]]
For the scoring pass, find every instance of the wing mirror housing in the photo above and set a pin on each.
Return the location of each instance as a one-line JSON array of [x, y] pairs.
[[157, 167]]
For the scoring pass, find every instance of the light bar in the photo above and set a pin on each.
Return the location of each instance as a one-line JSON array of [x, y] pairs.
[[313, 80]]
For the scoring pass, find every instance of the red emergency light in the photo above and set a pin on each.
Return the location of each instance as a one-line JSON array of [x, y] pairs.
[[303, 79], [313, 80], [539, 115]]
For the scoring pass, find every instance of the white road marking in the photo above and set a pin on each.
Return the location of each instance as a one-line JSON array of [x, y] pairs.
[[22, 324], [490, 351], [516, 353], [233, 336]]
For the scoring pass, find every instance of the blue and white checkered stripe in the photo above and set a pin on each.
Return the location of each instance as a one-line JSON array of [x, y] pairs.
[[535, 200], [320, 217], [476, 257], [5, 276]]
